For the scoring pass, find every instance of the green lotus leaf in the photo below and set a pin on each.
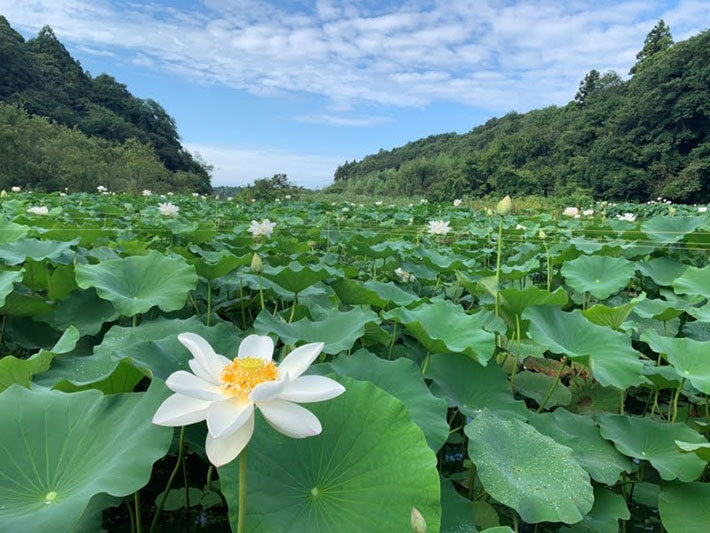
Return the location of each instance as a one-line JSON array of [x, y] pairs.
[[701, 449], [373, 293], [402, 379], [369, 453], [84, 310], [694, 281], [514, 301], [7, 283], [457, 514], [662, 270], [596, 455], [658, 309], [213, 265], [607, 353], [528, 471], [613, 317], [20, 371], [646, 439], [135, 284], [11, 232], [15, 253], [445, 327], [465, 384], [295, 277], [535, 385], [599, 275], [73, 447], [339, 330], [667, 229], [22, 302], [609, 507], [684, 507], [689, 357]]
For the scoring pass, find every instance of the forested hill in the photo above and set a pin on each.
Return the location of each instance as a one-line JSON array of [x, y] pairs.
[[636, 139], [39, 78]]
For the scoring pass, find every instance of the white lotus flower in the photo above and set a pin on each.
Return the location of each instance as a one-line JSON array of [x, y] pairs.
[[627, 217], [571, 212], [16, 189], [265, 227], [439, 227], [423, 201], [520, 227], [195, 194], [147, 192], [288, 197], [457, 202], [588, 212], [379, 202], [168, 209], [404, 276], [346, 209], [101, 189], [702, 209], [224, 393], [42, 211]]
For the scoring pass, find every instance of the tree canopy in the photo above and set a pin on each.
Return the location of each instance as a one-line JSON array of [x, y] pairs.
[[40, 77], [617, 140]]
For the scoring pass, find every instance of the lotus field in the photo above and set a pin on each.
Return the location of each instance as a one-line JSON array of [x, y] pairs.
[[194, 364]]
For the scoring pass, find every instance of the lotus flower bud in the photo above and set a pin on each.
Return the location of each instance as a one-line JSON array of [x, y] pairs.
[[256, 264], [418, 522], [542, 235], [312, 244], [672, 211], [489, 212], [504, 206], [3, 194]]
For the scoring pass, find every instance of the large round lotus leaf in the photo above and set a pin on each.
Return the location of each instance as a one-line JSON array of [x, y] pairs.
[[667, 229], [373, 293], [607, 353], [609, 507], [595, 454], [7, 283], [365, 472], [662, 270], [465, 384], [11, 232], [694, 281], [59, 450], [135, 284], [445, 327], [295, 277], [690, 358], [599, 275], [212, 265], [535, 385], [646, 439], [15, 253], [339, 330], [523, 469], [684, 507], [457, 512], [701, 449], [403, 380]]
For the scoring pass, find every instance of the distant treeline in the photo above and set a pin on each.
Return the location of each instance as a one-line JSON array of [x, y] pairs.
[[623, 140], [83, 130]]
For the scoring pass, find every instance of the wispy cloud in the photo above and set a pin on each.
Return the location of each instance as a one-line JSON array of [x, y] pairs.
[[489, 54], [236, 165], [335, 120]]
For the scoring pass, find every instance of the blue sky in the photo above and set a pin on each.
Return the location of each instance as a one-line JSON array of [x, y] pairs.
[[259, 87]]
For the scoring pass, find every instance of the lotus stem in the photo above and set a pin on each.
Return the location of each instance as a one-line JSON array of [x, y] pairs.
[[471, 481], [549, 266], [394, 338], [130, 515], [426, 363], [209, 301], [675, 400], [261, 294], [500, 248], [293, 308], [181, 451], [137, 503], [547, 397], [242, 510], [517, 355]]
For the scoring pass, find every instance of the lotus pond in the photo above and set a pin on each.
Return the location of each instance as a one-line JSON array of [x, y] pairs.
[[475, 371]]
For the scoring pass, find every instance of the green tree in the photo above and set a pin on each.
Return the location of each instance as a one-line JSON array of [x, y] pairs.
[[657, 40], [587, 86]]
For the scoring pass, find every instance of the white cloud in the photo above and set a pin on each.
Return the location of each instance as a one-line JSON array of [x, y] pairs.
[[237, 165], [335, 120], [408, 54]]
